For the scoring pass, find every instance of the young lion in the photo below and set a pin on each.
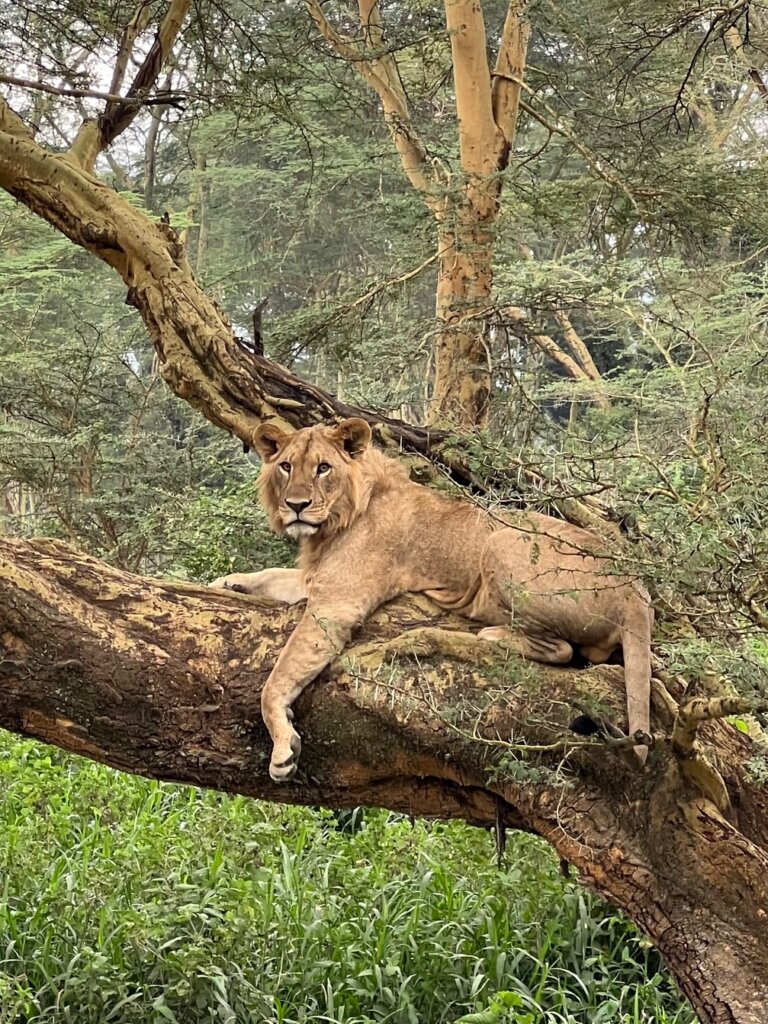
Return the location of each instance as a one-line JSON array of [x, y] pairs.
[[367, 533]]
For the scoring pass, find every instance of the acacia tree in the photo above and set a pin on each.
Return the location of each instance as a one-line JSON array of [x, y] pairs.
[[164, 679], [464, 204]]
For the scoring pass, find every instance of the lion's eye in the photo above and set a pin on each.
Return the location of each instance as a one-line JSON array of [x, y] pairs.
[[286, 467], [323, 468]]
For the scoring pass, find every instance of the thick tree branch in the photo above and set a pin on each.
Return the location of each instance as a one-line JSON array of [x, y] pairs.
[[508, 76], [199, 358], [704, 709], [94, 137], [576, 344], [480, 138], [116, 117], [131, 32], [164, 680]]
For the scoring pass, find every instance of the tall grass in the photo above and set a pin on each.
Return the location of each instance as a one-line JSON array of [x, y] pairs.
[[125, 900]]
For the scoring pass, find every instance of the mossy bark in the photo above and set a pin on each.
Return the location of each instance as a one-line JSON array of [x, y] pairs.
[[164, 680]]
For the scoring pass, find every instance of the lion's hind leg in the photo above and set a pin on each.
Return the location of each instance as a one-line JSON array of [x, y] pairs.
[[549, 650]]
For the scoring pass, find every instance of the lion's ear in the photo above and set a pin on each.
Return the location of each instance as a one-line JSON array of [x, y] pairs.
[[268, 439], [354, 436]]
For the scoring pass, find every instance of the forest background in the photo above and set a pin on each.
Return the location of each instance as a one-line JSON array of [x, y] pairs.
[[625, 343]]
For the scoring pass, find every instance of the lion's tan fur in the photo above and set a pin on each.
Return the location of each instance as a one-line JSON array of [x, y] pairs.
[[368, 533]]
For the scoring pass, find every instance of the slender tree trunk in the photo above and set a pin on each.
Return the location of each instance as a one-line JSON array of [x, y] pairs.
[[164, 680], [486, 108], [150, 150], [198, 356], [194, 237], [464, 289]]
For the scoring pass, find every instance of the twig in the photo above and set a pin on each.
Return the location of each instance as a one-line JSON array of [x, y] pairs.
[[390, 282], [171, 98]]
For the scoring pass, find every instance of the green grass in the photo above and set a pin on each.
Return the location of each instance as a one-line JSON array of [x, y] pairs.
[[125, 900]]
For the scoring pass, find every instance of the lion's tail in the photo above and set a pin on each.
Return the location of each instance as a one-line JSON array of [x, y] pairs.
[[636, 645]]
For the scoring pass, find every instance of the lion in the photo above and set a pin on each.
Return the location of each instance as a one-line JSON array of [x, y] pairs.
[[367, 533]]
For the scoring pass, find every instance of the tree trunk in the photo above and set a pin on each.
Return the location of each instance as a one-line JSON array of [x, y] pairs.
[[164, 680], [487, 105], [464, 285], [199, 358]]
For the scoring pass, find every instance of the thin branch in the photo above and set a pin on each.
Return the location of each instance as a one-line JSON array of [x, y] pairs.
[[549, 347], [116, 120], [171, 98], [132, 30], [257, 327], [150, 147], [718, 136], [735, 43], [391, 282], [381, 73], [596, 163]]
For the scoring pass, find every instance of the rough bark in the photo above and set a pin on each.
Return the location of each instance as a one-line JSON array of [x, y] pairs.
[[164, 680], [463, 361], [199, 357]]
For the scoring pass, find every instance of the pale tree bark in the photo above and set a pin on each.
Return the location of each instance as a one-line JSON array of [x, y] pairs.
[[576, 344], [465, 207], [164, 680], [94, 136], [194, 237]]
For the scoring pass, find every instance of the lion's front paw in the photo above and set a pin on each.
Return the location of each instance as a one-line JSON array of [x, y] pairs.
[[285, 757], [231, 582]]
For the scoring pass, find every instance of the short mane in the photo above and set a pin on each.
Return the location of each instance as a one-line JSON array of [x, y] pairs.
[[371, 472]]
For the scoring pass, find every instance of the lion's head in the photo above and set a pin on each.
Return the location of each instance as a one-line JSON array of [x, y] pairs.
[[312, 482]]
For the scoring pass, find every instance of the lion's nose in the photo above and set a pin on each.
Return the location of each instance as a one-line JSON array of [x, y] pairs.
[[298, 506]]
